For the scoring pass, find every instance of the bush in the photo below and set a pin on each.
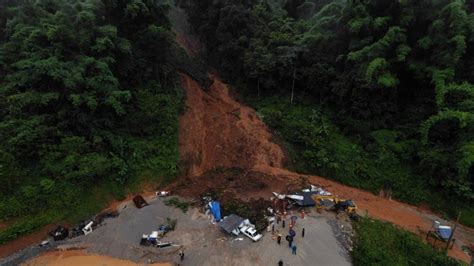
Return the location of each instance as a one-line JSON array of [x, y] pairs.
[[28, 225], [467, 217], [176, 202], [381, 243]]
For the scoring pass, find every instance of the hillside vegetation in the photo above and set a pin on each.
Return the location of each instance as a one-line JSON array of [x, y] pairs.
[[376, 94], [88, 104], [381, 243]]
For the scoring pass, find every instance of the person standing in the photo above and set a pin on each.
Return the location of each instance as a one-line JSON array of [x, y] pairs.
[[292, 233], [302, 232], [283, 223], [280, 263], [294, 250], [290, 240], [181, 255], [273, 228], [279, 240]]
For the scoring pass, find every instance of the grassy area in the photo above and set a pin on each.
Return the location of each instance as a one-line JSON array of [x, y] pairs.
[[28, 224], [381, 243], [174, 201], [384, 161]]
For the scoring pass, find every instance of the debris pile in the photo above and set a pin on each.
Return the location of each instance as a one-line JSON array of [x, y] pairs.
[[322, 200], [59, 233], [83, 227], [344, 233], [153, 239]]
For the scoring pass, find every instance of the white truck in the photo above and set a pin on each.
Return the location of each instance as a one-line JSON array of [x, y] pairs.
[[249, 230], [152, 240], [88, 228]]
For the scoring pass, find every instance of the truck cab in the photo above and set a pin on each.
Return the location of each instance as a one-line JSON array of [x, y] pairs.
[[251, 232]]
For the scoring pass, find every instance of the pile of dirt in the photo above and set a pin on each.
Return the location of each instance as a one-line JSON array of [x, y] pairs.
[[244, 184], [218, 132]]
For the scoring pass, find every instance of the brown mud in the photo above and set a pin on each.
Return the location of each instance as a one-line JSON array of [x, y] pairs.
[[80, 258], [224, 146]]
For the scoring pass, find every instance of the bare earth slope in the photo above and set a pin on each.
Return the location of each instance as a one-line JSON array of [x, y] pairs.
[[218, 132]]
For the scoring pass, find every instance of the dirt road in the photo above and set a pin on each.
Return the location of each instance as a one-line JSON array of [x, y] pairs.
[[81, 258], [117, 242], [218, 132]]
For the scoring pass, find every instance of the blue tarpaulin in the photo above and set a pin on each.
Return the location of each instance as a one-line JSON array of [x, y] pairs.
[[444, 232], [307, 200], [215, 210]]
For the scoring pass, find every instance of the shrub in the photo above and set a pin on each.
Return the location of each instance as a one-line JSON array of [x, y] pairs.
[[28, 225], [176, 202], [381, 243]]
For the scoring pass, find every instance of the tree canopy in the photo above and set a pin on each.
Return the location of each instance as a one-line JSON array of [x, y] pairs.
[[402, 67], [87, 95]]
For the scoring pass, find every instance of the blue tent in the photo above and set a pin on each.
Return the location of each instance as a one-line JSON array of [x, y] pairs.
[[215, 210], [444, 232]]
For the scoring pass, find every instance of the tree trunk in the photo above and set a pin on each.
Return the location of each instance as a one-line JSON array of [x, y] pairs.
[[293, 86]]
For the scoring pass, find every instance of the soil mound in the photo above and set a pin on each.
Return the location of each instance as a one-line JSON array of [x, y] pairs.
[[218, 132]]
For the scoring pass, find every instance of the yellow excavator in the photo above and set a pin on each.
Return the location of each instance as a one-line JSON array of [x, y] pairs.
[[337, 204]]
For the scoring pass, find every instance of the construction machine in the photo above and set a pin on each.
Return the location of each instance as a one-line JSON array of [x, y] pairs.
[[345, 205], [323, 201], [335, 203]]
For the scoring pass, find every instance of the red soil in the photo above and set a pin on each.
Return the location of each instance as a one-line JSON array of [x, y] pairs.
[[217, 132], [25, 241], [80, 258]]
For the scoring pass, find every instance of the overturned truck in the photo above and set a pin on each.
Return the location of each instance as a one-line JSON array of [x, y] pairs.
[[152, 240]]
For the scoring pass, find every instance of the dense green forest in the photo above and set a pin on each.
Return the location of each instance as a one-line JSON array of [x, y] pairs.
[[88, 104], [377, 94]]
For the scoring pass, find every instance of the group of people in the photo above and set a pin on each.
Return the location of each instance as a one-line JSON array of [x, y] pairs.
[[291, 234]]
